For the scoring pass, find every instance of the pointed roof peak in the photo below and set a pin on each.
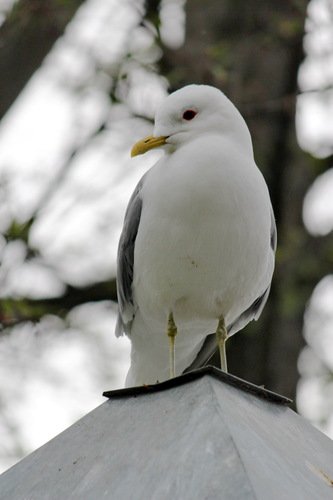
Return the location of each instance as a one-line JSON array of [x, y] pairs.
[[185, 378], [202, 435]]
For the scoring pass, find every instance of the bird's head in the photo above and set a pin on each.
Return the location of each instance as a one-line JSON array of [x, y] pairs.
[[191, 112]]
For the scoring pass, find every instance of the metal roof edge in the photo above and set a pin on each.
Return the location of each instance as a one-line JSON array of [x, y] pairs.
[[185, 378]]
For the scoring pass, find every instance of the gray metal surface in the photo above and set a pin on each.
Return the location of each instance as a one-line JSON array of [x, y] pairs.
[[204, 439]]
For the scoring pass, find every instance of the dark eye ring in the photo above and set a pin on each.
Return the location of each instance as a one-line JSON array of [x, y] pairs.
[[189, 114]]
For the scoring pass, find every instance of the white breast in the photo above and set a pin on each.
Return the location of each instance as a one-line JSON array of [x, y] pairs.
[[203, 244]]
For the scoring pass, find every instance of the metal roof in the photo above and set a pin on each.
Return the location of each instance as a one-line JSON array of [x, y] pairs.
[[204, 435]]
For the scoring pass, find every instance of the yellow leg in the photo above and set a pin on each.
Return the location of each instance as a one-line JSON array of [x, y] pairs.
[[221, 338], [172, 332]]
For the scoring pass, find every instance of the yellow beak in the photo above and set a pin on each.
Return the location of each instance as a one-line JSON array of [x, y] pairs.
[[148, 143]]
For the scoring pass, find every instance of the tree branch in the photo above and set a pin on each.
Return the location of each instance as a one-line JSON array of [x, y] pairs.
[[26, 37], [18, 310]]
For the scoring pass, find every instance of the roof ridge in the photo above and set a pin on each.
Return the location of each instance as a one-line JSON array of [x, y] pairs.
[[228, 378]]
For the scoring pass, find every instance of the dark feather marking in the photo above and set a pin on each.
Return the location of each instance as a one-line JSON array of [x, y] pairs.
[[273, 232]]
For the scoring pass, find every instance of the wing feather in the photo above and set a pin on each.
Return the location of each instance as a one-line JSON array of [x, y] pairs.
[[125, 261]]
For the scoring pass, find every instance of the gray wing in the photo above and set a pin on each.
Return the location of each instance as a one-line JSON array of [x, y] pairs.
[[273, 232], [209, 347], [125, 261]]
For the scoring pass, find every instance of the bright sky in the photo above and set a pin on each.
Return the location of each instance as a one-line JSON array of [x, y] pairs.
[[57, 368]]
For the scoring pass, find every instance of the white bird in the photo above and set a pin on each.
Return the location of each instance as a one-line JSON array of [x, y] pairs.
[[196, 254]]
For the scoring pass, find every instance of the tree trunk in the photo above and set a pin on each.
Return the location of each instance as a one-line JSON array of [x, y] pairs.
[[26, 37]]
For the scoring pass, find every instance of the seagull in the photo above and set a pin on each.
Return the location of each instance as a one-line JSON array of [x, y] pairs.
[[196, 253]]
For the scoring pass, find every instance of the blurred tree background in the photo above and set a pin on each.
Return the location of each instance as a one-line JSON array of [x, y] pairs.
[[79, 83]]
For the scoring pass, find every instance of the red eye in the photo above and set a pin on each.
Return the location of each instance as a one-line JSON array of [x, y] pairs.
[[189, 114]]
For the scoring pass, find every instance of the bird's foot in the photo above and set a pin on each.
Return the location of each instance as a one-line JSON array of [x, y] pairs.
[[221, 338], [172, 332]]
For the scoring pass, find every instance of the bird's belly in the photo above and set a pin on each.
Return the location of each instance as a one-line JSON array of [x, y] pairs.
[[198, 268]]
